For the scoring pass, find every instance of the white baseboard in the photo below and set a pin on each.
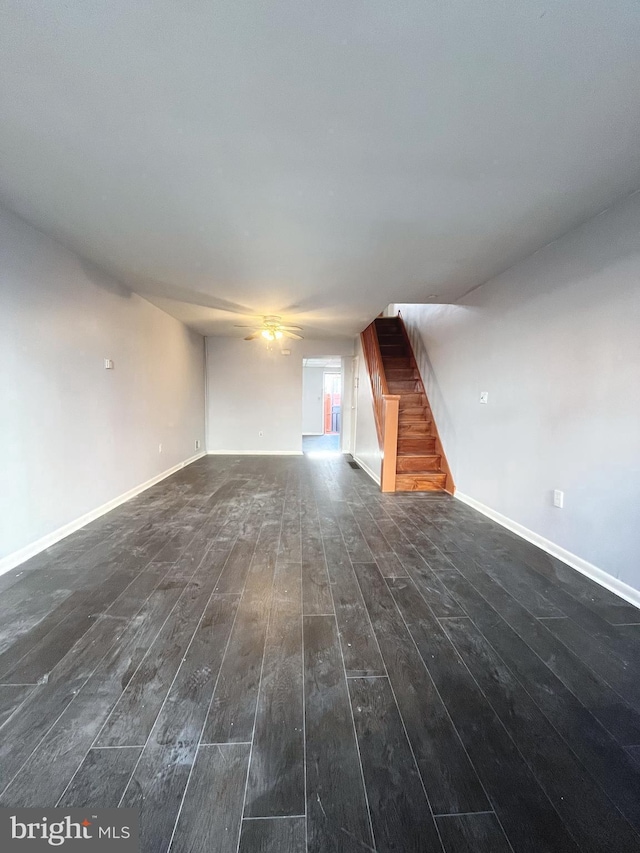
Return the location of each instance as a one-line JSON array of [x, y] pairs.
[[17, 557], [255, 452], [367, 470], [618, 587]]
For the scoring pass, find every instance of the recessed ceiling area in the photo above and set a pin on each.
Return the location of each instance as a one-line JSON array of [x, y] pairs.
[[314, 160]]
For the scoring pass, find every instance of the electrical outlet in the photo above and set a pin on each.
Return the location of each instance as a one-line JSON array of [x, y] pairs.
[[558, 498], [159, 448], [484, 397], [197, 444], [108, 364]]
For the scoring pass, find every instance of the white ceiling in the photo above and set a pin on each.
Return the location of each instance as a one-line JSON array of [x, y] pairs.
[[315, 160]]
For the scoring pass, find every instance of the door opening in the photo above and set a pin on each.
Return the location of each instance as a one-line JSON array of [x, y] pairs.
[[332, 403], [322, 380]]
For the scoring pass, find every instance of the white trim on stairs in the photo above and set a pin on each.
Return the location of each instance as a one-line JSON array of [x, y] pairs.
[[17, 557], [618, 587]]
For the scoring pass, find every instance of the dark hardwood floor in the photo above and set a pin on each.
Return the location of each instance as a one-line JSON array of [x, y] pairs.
[[267, 654]]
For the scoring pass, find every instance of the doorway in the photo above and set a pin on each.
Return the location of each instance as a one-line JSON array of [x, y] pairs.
[[332, 403], [322, 381]]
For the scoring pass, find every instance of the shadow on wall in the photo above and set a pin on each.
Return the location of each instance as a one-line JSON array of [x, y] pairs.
[[104, 280], [441, 414], [563, 263]]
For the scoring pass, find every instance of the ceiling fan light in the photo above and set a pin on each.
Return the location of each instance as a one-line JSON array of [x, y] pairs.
[[278, 334], [268, 334]]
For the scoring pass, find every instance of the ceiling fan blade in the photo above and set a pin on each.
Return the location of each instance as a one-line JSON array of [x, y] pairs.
[[291, 335], [239, 326], [253, 336], [294, 328]]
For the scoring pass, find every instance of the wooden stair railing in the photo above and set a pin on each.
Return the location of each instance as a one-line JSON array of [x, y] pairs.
[[386, 408]]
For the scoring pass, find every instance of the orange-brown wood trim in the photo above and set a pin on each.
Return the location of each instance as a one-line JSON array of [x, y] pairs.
[[390, 442], [377, 377]]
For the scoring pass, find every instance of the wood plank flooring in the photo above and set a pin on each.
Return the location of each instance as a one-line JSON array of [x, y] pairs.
[[267, 654]]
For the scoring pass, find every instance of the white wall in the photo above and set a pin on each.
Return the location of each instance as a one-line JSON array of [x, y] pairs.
[[555, 341], [348, 400], [366, 447], [253, 389], [312, 400], [73, 435]]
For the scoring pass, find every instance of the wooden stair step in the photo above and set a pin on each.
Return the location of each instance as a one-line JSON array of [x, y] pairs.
[[404, 386], [416, 444], [414, 413], [412, 400], [396, 362], [392, 350], [427, 481], [414, 429], [417, 462], [401, 374]]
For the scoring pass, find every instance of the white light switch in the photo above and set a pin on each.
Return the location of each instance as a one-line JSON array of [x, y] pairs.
[[484, 397], [558, 498], [108, 364]]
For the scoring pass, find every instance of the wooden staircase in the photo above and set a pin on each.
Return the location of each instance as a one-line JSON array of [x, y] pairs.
[[420, 463]]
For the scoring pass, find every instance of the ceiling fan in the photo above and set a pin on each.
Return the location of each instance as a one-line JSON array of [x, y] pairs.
[[272, 330]]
